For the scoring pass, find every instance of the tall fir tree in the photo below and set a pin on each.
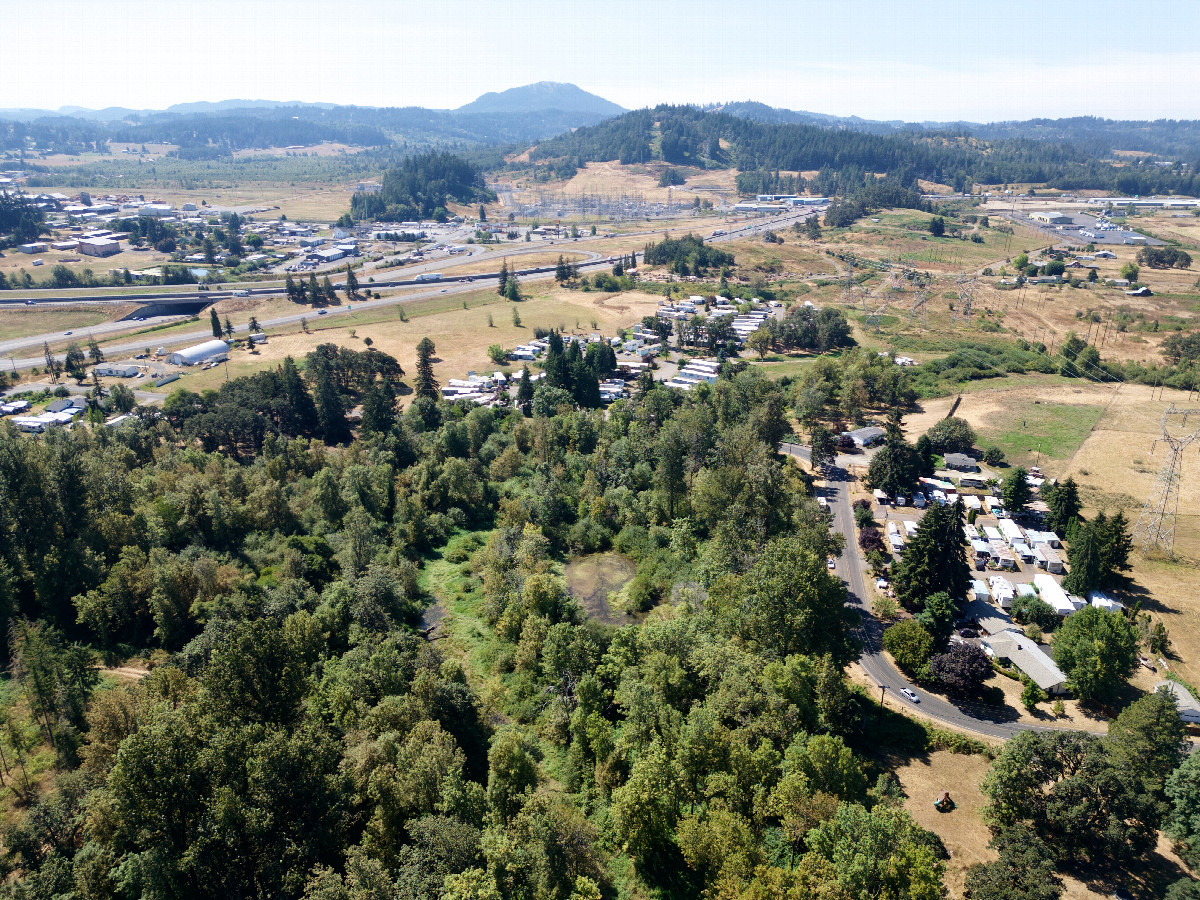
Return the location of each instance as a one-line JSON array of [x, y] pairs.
[[379, 408], [935, 560], [512, 290], [351, 282], [331, 412], [502, 279], [329, 291], [289, 285], [215, 322], [425, 385], [299, 403], [315, 294], [525, 392]]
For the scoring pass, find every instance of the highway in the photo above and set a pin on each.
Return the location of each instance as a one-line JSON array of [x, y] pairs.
[[406, 280], [996, 723]]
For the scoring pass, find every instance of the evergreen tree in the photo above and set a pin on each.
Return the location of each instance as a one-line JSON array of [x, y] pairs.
[[935, 559], [290, 287], [813, 227], [502, 280], [253, 326], [425, 384], [315, 294], [215, 322], [94, 352], [512, 290], [331, 413], [1015, 491], [379, 407], [300, 404], [328, 290], [1064, 505], [525, 392], [1086, 563], [585, 387], [351, 283], [1115, 546], [560, 270], [228, 329]]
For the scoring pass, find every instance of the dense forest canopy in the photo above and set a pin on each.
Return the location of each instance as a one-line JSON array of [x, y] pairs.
[[301, 735]]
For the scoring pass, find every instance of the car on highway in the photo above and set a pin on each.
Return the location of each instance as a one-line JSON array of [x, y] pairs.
[[68, 333], [322, 312], [31, 303], [910, 695]]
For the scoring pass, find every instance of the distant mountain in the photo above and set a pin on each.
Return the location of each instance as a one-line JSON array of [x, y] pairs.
[[540, 97], [205, 106]]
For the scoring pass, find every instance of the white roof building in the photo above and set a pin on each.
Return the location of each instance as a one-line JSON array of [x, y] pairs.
[[1051, 592], [205, 352]]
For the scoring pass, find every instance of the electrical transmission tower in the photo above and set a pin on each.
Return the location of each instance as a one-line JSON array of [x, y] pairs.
[[1155, 529], [966, 296]]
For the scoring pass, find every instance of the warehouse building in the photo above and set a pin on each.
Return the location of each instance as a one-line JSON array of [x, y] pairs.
[[209, 351]]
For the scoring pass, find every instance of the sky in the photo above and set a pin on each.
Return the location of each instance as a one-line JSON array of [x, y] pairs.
[[904, 59]]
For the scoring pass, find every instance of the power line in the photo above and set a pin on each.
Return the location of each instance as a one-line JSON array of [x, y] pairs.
[[1155, 528]]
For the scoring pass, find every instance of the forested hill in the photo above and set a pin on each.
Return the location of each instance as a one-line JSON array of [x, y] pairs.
[[1171, 139], [684, 135]]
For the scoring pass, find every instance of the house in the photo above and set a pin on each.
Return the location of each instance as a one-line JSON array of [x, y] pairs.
[[1188, 706], [112, 370], [987, 617], [865, 437], [979, 590], [1002, 591], [1027, 656], [962, 462]]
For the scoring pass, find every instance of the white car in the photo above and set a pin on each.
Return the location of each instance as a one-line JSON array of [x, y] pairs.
[[910, 695], [831, 563]]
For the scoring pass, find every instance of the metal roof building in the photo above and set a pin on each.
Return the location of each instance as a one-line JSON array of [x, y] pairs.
[[1029, 658], [205, 352], [1188, 706]]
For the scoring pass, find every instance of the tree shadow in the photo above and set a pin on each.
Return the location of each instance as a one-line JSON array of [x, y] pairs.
[[1149, 880]]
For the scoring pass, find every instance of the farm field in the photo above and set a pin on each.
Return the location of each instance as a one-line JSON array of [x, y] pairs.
[[614, 178]]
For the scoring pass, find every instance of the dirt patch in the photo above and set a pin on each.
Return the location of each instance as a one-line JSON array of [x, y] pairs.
[[591, 578]]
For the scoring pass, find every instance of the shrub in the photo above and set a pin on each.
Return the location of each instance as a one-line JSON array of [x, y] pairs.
[[911, 646]]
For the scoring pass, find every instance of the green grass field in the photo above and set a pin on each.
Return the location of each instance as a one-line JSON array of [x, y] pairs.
[[1027, 429]]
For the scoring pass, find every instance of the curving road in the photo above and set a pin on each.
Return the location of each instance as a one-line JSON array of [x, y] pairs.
[[997, 723]]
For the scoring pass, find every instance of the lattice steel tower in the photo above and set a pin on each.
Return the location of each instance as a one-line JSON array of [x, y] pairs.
[[1155, 529]]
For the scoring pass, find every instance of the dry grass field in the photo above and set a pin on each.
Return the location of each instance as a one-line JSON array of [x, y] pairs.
[[19, 322], [462, 336], [614, 178], [13, 263]]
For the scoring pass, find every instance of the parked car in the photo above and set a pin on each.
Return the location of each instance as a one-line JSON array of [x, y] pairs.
[[968, 632], [831, 563]]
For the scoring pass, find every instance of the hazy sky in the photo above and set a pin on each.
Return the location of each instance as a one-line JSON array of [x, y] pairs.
[[900, 59]]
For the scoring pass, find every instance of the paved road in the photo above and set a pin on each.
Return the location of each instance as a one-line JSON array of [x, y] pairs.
[[988, 721]]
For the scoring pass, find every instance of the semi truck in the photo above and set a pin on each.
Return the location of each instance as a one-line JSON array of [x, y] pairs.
[[429, 276]]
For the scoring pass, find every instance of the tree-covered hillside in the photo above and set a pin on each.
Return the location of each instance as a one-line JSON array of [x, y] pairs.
[[689, 136], [420, 187]]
